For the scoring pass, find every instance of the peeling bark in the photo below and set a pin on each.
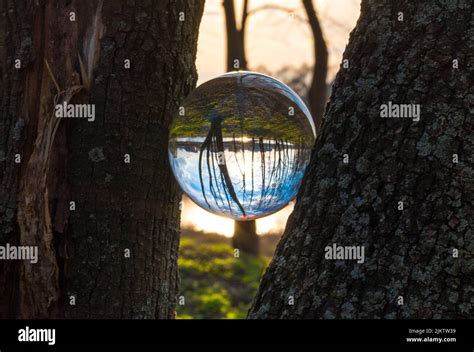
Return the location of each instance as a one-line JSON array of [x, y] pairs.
[[408, 253], [45, 68], [15, 43]]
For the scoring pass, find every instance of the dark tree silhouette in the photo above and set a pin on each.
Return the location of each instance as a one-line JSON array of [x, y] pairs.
[[214, 143], [317, 91], [75, 51], [245, 235], [411, 267], [248, 122], [317, 94], [235, 35], [236, 38]]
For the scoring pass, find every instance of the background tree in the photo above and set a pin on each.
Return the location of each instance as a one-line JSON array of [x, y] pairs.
[[317, 93], [245, 232], [112, 252], [394, 54], [245, 236], [235, 35]]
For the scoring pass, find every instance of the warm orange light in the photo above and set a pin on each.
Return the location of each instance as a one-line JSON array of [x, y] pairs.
[[294, 45], [196, 218]]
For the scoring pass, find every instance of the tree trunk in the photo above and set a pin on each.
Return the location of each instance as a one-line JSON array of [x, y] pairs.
[[235, 36], [245, 237], [245, 232], [113, 252], [37, 42], [16, 43], [317, 92], [410, 268]]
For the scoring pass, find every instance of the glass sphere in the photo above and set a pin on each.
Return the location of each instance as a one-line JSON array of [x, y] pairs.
[[240, 144]]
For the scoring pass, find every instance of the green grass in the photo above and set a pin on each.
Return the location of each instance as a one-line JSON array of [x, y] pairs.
[[214, 283]]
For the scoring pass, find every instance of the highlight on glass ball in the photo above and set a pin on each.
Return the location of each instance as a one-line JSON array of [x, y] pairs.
[[240, 144]]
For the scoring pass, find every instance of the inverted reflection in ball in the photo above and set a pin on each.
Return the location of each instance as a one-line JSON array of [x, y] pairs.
[[240, 144]]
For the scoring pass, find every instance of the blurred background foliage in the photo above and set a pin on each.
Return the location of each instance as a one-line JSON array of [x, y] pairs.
[[215, 284]]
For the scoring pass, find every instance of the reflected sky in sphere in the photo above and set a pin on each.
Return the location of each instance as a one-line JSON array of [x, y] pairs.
[[240, 144]]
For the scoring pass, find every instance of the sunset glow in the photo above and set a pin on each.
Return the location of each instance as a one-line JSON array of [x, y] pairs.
[[198, 219], [270, 35], [270, 44]]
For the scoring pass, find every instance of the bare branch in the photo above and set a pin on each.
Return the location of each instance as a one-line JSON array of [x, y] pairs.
[[274, 7]]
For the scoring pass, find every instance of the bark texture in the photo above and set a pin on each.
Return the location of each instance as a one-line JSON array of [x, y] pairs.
[[116, 250], [130, 206], [16, 42], [409, 252], [38, 38]]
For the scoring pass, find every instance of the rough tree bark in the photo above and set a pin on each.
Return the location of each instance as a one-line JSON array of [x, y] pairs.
[[120, 208], [36, 41], [16, 43], [409, 252]]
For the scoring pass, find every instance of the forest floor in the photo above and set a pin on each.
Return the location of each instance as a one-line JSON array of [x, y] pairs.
[[215, 284]]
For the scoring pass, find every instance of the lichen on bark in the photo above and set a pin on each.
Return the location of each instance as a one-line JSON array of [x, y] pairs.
[[409, 252]]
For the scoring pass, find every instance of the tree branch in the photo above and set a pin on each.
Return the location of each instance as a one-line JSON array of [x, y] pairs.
[[277, 8]]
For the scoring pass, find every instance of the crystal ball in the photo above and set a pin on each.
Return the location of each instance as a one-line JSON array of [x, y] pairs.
[[240, 143]]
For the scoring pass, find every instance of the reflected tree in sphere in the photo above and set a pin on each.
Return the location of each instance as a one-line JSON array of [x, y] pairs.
[[240, 144]]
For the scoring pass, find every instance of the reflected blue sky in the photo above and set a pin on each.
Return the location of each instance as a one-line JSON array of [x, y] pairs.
[[265, 176], [241, 145]]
